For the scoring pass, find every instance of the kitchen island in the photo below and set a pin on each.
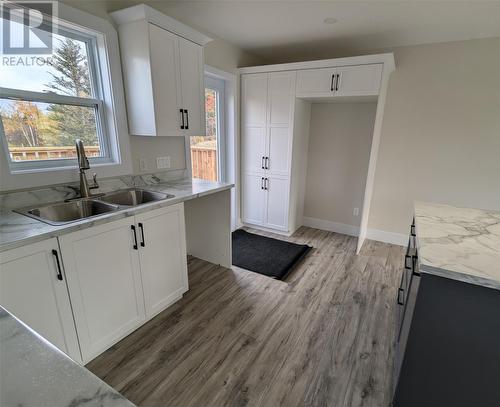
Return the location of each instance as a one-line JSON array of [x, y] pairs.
[[448, 336], [33, 372]]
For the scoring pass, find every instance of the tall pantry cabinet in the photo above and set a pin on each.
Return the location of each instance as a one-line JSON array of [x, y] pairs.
[[267, 114]]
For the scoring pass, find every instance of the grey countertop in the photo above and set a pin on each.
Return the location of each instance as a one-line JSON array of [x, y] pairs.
[[18, 230], [33, 372], [459, 243]]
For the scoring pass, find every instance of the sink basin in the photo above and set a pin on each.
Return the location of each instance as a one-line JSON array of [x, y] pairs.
[[66, 212], [134, 197]]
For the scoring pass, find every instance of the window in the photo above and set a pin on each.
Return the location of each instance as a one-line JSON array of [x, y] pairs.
[[46, 103], [207, 155]]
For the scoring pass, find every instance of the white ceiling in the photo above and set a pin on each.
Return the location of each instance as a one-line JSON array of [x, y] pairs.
[[292, 30]]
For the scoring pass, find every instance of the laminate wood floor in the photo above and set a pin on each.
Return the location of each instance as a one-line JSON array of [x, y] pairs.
[[322, 337]]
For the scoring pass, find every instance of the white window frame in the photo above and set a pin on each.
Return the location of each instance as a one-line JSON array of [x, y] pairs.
[[218, 85], [96, 102], [111, 115]]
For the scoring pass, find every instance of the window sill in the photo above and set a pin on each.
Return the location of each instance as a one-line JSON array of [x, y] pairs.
[[35, 170]]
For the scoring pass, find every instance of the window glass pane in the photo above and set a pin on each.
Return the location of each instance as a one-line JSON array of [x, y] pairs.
[[65, 72], [47, 131], [204, 149]]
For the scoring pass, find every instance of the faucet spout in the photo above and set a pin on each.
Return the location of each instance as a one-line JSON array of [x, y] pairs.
[[83, 164]]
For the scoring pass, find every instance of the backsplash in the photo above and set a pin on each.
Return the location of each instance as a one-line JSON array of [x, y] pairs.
[[37, 196]]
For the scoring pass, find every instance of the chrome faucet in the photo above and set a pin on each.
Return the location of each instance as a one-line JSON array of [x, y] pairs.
[[83, 164]]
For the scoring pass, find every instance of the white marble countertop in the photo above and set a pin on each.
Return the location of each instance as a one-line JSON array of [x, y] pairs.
[[18, 230], [459, 243], [35, 373]]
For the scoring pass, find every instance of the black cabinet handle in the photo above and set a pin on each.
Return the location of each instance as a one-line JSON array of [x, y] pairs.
[[143, 242], [182, 119], [408, 257], [331, 84], [337, 83], [412, 230], [135, 237], [262, 163], [59, 271], [266, 184], [187, 118], [400, 291], [267, 163]]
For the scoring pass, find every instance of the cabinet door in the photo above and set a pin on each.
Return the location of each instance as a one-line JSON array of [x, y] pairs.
[[253, 199], [104, 282], [33, 288], [166, 79], [277, 202], [316, 82], [280, 113], [359, 80], [162, 241], [193, 86], [254, 121]]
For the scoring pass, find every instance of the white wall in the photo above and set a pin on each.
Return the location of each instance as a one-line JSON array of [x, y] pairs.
[[339, 148], [441, 131]]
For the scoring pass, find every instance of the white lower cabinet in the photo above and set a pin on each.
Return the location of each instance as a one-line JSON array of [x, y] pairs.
[[253, 199], [33, 288], [277, 202], [162, 256], [104, 281], [122, 273]]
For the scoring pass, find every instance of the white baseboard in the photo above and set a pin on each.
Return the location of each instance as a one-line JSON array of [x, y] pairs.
[[351, 230], [399, 239], [331, 226]]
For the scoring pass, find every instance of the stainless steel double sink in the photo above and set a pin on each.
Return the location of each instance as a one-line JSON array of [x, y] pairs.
[[60, 213]]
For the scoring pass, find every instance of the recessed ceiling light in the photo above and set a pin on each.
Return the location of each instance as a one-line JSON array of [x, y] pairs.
[[330, 20]]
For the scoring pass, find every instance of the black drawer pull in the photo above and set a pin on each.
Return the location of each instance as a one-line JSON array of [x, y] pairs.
[[59, 271], [400, 291], [143, 242], [331, 84], [182, 118], [135, 237], [408, 257], [412, 230]]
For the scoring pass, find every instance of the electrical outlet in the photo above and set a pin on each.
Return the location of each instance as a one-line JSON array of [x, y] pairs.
[[163, 162], [143, 165], [355, 212]]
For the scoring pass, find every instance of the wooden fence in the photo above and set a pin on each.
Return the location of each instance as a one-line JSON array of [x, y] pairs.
[[49, 153], [204, 163]]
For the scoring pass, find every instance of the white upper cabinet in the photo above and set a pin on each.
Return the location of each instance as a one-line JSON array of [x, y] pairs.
[[254, 122], [360, 80], [166, 87], [316, 82], [33, 288], [354, 80], [163, 73], [192, 87], [280, 123]]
